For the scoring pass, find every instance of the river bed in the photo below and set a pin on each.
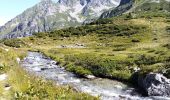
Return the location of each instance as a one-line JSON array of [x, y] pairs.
[[105, 88]]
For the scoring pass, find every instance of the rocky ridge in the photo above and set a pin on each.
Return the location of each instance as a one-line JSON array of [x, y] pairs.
[[124, 6], [48, 15]]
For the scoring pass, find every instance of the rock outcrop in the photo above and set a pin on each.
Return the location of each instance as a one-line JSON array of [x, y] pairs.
[[124, 6], [155, 84]]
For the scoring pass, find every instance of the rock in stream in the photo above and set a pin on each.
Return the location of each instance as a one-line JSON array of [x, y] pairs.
[[155, 84]]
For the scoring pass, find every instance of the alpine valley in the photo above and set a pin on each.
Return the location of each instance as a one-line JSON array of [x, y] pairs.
[[87, 50]]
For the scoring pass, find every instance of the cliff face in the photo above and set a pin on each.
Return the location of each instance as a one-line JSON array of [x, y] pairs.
[[48, 15], [124, 6]]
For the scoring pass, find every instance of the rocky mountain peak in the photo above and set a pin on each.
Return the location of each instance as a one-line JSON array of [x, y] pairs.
[[66, 2], [55, 14], [124, 6], [46, 1], [90, 2]]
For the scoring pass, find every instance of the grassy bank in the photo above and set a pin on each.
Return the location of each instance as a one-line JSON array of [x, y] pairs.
[[25, 86]]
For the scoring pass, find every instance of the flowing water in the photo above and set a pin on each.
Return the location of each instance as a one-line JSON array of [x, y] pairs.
[[105, 88]]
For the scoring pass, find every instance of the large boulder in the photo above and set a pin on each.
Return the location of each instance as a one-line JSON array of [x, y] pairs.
[[155, 84]]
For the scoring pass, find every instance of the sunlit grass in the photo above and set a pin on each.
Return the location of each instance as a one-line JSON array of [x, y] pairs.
[[24, 85], [111, 56]]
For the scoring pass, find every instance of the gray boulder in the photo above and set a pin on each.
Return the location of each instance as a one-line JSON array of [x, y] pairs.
[[155, 85], [90, 76]]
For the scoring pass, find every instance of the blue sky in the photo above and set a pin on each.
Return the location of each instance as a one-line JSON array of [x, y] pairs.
[[11, 8]]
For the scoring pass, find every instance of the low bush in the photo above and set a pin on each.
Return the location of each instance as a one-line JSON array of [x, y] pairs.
[[168, 20], [40, 34], [168, 28], [14, 43], [32, 38], [147, 60], [79, 70], [99, 66], [167, 46], [106, 27], [3, 68], [102, 21], [119, 49], [135, 40]]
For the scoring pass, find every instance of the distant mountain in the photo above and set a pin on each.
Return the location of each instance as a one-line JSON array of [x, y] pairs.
[[53, 14], [124, 6], [138, 6]]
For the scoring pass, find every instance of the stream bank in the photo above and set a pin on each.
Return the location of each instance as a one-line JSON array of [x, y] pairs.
[[105, 88]]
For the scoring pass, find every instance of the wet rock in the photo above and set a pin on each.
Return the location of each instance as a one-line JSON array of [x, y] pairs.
[[42, 69], [37, 69], [122, 97], [118, 86], [53, 62], [90, 76], [159, 98], [155, 84], [47, 67]]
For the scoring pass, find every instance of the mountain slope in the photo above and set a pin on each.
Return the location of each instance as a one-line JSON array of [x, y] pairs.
[[49, 15], [124, 6], [138, 6], [153, 5], [114, 47]]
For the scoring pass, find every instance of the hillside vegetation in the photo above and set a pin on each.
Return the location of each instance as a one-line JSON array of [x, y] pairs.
[[113, 48], [110, 48]]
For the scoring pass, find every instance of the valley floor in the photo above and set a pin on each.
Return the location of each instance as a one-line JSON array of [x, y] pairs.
[[102, 55], [119, 55]]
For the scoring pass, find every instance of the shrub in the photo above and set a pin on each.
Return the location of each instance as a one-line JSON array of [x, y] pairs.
[[146, 60], [102, 21], [135, 40], [168, 20], [168, 28], [106, 27], [79, 70], [31, 38], [14, 43], [119, 49], [40, 34], [129, 16], [121, 75], [3, 68], [99, 66], [167, 46]]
